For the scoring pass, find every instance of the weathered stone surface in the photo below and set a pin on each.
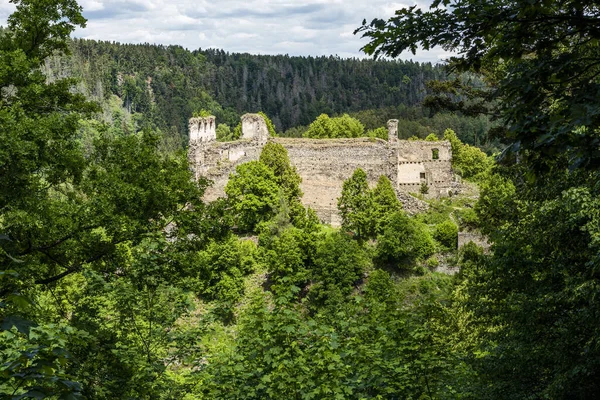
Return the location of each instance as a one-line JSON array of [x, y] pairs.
[[324, 164], [203, 129], [475, 237], [254, 127]]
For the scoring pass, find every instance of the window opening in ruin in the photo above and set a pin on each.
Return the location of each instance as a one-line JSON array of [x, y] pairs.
[[435, 153], [422, 175]]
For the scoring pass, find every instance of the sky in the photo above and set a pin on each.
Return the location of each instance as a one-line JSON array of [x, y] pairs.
[[306, 27]]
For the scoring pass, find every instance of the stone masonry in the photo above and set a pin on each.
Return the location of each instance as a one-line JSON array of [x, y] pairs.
[[324, 164]]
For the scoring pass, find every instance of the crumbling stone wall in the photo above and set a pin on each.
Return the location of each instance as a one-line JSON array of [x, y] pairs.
[[324, 164], [254, 127], [203, 129], [421, 162]]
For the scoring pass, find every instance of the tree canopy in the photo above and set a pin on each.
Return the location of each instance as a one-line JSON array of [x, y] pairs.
[[541, 56], [529, 300], [337, 127]]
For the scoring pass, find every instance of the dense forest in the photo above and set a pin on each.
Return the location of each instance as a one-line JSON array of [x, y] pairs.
[[291, 90], [117, 281], [163, 86]]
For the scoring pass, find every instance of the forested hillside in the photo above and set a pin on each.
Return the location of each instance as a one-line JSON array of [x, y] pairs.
[[291, 90], [162, 86]]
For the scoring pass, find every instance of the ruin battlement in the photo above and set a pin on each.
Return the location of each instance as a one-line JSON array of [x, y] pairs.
[[324, 164]]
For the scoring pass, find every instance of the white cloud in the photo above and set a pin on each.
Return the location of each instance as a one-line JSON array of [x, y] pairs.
[[308, 27], [91, 5]]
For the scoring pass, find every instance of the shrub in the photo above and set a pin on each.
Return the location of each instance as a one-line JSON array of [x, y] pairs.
[[467, 218], [339, 263], [404, 239], [446, 234], [432, 262], [253, 193]]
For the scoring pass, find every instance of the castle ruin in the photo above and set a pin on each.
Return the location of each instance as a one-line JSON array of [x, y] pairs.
[[324, 164]]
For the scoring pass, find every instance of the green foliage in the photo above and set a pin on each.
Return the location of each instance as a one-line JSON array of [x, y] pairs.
[[446, 233], [355, 204], [224, 133], [364, 211], [338, 127], [432, 137], [290, 258], [468, 161], [237, 131], [545, 48], [467, 219], [338, 265], [385, 204], [497, 203], [269, 123], [37, 29], [253, 194], [296, 131], [220, 272], [117, 281], [403, 240], [540, 268], [275, 156], [75, 208], [361, 351], [165, 85], [381, 133], [469, 257], [432, 262], [202, 114], [35, 360], [529, 301]]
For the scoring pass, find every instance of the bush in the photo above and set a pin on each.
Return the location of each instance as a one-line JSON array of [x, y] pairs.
[[289, 257], [468, 161], [432, 262], [404, 239], [221, 268], [339, 263], [380, 133], [446, 234], [338, 127], [467, 218], [253, 194]]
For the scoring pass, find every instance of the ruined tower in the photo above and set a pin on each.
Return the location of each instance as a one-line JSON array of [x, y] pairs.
[[254, 127], [203, 129]]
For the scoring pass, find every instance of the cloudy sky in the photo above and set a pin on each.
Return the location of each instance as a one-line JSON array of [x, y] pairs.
[[306, 27]]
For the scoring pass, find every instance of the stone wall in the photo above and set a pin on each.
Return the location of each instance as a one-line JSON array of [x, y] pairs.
[[324, 164], [475, 237]]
